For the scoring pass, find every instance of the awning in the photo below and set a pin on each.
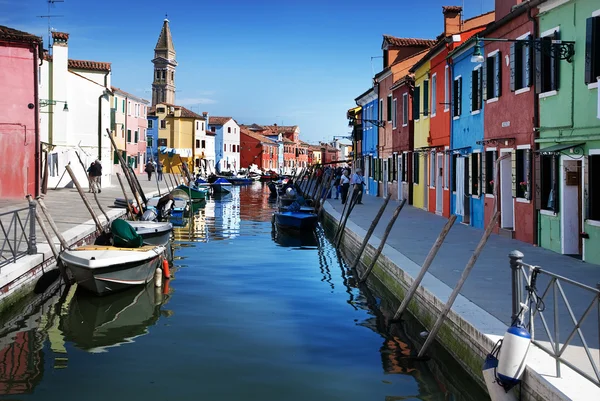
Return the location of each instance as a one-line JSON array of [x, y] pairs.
[[560, 147], [354, 111], [183, 152]]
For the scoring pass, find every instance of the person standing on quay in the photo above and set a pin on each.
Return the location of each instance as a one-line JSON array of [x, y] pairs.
[[149, 169], [358, 182], [345, 185], [159, 170]]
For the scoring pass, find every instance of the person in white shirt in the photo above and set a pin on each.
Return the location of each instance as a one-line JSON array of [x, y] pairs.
[[345, 184], [358, 181]]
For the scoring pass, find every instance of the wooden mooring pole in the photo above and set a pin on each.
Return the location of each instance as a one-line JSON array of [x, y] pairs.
[[46, 213], [129, 208], [383, 240], [352, 201], [91, 187], [461, 281], [370, 230], [428, 260], [85, 200]]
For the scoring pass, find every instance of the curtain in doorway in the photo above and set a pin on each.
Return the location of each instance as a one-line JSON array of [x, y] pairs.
[[460, 186]]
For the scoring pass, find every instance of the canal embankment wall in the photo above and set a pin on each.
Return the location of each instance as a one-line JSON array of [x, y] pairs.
[[469, 333]]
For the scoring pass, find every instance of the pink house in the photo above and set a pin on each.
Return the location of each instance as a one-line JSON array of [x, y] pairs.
[[20, 55], [130, 126]]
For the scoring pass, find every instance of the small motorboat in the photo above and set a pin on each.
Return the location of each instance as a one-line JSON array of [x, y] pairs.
[[303, 209], [104, 269], [200, 182], [195, 193], [296, 220], [240, 180], [153, 232], [221, 186]]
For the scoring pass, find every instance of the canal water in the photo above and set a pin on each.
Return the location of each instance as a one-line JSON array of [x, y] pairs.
[[250, 313]]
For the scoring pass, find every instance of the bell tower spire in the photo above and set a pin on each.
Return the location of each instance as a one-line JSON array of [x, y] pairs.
[[163, 84]]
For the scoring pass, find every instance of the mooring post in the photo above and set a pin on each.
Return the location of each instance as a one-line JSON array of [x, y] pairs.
[[31, 243], [516, 258], [461, 281], [383, 240], [46, 213], [129, 208], [85, 201], [370, 230], [352, 201], [428, 260]]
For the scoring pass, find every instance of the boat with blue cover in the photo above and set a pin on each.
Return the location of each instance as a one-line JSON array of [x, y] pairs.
[[296, 220], [221, 186]]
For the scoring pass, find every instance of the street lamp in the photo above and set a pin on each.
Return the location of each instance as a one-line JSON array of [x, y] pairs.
[[47, 102], [555, 48]]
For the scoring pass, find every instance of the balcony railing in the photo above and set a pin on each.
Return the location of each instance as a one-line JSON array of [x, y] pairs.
[[17, 234]]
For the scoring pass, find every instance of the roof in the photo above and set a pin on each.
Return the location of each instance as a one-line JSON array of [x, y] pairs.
[[257, 136], [165, 40], [129, 95], [185, 113], [218, 120], [400, 81], [60, 36], [281, 128], [89, 65], [406, 42], [14, 35]]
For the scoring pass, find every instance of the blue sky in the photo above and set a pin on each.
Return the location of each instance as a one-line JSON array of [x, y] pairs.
[[288, 62]]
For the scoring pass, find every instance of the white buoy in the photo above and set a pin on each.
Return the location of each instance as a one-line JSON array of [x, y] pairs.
[[513, 355], [158, 277], [495, 390]]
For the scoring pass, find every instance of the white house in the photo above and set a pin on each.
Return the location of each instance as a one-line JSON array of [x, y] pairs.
[[74, 114], [227, 143], [207, 147]]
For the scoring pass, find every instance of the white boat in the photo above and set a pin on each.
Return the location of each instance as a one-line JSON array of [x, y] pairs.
[[153, 232], [106, 269]]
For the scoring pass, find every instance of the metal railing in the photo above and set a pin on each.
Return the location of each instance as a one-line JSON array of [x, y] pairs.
[[17, 234], [525, 296]]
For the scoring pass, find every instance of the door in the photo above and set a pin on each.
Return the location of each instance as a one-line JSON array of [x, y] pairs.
[[571, 206], [400, 175], [506, 199], [439, 184], [466, 199], [367, 173], [384, 179], [425, 181], [459, 209]]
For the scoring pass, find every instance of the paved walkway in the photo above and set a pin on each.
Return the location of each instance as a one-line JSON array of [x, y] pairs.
[[489, 284]]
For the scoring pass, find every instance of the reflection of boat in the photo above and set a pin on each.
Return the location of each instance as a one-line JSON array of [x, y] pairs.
[[240, 180], [286, 238], [221, 185], [96, 323], [105, 269]]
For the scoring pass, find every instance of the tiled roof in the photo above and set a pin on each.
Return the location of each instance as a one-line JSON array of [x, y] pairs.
[[89, 65], [11, 34], [451, 9], [277, 129], [129, 95], [165, 40], [218, 120], [403, 42], [185, 113], [60, 35], [257, 136]]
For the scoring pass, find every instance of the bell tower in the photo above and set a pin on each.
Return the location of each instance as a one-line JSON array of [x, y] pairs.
[[163, 84]]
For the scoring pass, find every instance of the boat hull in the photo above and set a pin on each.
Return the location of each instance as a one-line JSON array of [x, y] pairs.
[[195, 193], [153, 233], [297, 221]]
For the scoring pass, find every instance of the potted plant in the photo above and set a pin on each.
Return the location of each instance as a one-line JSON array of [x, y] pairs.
[[523, 185]]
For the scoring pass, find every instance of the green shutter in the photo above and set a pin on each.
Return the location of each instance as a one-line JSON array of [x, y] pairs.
[[136, 137], [128, 135], [115, 157], [514, 66], [426, 97]]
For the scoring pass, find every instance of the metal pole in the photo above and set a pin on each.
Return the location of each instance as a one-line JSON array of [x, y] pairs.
[[516, 258], [428, 261], [383, 240], [463, 278], [85, 201], [371, 229], [31, 244]]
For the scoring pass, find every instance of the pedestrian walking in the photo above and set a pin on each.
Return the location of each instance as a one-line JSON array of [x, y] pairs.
[[94, 174], [358, 181], [345, 184], [159, 170], [149, 169], [336, 182]]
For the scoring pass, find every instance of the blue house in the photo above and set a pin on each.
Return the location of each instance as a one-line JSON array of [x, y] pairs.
[[468, 167], [152, 138], [370, 139]]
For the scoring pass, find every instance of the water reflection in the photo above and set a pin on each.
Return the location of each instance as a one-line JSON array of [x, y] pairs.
[[294, 239]]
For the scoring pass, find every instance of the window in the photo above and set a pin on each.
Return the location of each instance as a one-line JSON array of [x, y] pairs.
[[394, 113], [457, 92], [129, 108], [475, 173], [149, 141], [229, 130], [123, 106], [549, 185], [163, 124], [389, 108], [416, 157], [162, 142], [212, 129], [523, 175], [380, 110], [454, 159], [432, 170], [136, 136], [202, 127], [433, 95], [129, 135], [446, 88], [547, 68], [426, 97], [476, 90], [594, 187], [197, 143], [160, 109], [493, 76], [490, 171], [404, 109], [203, 144], [520, 61], [197, 126], [116, 102], [416, 103], [592, 49], [150, 124]]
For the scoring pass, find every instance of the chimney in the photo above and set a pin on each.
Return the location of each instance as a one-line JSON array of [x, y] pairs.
[[58, 88], [452, 19], [177, 112], [205, 115]]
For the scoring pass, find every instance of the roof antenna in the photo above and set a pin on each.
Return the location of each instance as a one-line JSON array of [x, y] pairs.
[[51, 3]]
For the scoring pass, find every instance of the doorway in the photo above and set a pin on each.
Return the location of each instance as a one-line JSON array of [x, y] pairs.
[[400, 176], [439, 185], [384, 179], [425, 181], [571, 206], [507, 206]]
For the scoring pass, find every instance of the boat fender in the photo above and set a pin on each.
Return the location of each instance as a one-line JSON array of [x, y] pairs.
[[158, 277], [166, 272], [513, 355], [496, 392]]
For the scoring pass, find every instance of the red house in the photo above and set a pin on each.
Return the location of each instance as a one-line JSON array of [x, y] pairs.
[[257, 149], [20, 54], [403, 135], [509, 120]]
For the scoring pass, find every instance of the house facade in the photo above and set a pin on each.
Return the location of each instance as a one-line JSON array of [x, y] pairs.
[[422, 148], [227, 143], [568, 161], [76, 114], [152, 138], [369, 103], [20, 55], [130, 127], [256, 149]]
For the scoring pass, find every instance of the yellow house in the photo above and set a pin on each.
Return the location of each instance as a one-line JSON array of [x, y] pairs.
[[421, 134], [176, 136]]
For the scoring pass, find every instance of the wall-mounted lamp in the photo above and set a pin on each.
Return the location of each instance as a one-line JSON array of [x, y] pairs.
[[561, 49], [47, 102]]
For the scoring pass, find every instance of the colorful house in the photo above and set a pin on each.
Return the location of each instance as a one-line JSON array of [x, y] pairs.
[[567, 167], [227, 143], [20, 55], [130, 127], [152, 138], [403, 135], [370, 137], [205, 155], [257, 149]]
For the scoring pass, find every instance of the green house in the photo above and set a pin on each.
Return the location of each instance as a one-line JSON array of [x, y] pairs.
[[568, 159]]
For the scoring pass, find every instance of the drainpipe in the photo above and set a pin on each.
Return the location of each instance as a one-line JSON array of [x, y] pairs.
[[100, 116], [536, 123], [36, 109]]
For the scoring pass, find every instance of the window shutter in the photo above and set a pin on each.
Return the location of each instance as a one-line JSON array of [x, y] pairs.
[[483, 186], [527, 61], [498, 62], [513, 164], [470, 170], [415, 104], [425, 97], [479, 93], [591, 27], [459, 95], [528, 175], [513, 66], [473, 90], [484, 70], [555, 65], [538, 69], [115, 157]]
